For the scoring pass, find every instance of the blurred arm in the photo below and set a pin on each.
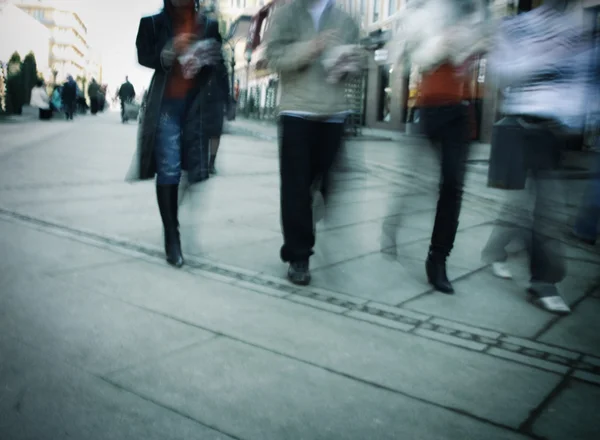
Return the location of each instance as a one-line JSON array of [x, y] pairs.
[[283, 52], [149, 55]]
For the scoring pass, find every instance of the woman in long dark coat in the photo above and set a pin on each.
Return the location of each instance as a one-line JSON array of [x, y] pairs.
[[171, 136]]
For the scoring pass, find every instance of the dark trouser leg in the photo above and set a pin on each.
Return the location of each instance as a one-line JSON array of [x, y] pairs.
[[324, 154], [94, 105], [447, 127], [547, 262], [296, 144], [168, 164]]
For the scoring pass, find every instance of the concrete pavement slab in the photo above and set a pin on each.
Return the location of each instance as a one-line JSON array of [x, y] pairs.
[[98, 333], [572, 414], [579, 331], [261, 395], [25, 251], [484, 301], [430, 370], [397, 280], [42, 399]]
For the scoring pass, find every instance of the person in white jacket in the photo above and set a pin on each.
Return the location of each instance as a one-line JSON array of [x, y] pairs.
[[41, 100]]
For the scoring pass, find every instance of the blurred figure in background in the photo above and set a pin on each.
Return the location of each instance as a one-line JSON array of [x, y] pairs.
[[56, 101], [443, 37], [69, 97], [41, 100], [170, 137], [313, 110], [126, 94], [94, 95], [217, 100], [588, 218], [542, 61]]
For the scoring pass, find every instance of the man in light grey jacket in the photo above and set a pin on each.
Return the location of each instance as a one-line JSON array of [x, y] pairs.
[[302, 39]]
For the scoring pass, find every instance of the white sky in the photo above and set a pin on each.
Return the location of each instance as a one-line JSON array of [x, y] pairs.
[[112, 28]]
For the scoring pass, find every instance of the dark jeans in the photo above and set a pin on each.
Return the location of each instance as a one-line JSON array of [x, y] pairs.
[[307, 152], [168, 142], [94, 105], [69, 108], [448, 130], [547, 262], [45, 114]]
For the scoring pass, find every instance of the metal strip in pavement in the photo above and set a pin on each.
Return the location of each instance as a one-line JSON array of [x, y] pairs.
[[508, 347]]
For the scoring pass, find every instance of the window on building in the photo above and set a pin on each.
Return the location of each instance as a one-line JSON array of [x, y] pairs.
[[376, 11], [239, 3], [391, 7]]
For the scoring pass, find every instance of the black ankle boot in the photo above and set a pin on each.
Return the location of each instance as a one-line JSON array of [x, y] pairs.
[[436, 274], [167, 204], [211, 165]]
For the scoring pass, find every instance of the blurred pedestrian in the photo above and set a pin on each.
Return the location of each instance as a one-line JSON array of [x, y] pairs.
[[94, 95], [443, 37], [126, 94], [69, 97], [41, 100], [313, 111], [170, 134], [217, 100], [587, 223], [542, 62], [56, 101]]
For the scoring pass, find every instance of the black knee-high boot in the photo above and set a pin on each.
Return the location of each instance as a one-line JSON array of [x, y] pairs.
[[168, 206]]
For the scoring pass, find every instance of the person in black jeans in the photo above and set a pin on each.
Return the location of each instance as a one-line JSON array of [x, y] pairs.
[[69, 97]]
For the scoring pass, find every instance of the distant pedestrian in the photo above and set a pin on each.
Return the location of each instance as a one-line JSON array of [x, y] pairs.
[[126, 94], [69, 97], [175, 43], [217, 99], [94, 95], [41, 100]]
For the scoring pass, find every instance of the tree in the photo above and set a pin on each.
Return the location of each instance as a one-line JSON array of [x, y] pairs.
[[30, 75], [15, 90]]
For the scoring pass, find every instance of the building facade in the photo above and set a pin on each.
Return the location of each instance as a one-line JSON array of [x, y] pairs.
[[36, 40], [69, 51]]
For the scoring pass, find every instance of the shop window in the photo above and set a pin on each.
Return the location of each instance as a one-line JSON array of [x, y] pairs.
[[376, 6], [384, 94]]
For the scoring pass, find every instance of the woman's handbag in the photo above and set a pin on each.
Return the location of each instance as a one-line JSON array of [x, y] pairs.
[[508, 168]]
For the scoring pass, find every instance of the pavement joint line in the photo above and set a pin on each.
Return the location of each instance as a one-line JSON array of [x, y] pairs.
[[319, 296]]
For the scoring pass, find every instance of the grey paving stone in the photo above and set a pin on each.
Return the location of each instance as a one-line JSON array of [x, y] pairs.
[[587, 377], [572, 415], [45, 252], [260, 395], [541, 347], [548, 366], [471, 345], [317, 304], [381, 321], [466, 328], [579, 331], [488, 302], [94, 332], [42, 399], [404, 362]]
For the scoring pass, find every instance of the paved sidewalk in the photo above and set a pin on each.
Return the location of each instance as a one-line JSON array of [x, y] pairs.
[[97, 327]]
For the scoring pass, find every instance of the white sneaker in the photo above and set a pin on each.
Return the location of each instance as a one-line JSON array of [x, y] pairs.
[[501, 270]]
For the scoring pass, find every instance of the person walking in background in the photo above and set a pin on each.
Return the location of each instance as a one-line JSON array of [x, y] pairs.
[[69, 97], [55, 101], [126, 94], [542, 60], [443, 37], [41, 100], [313, 110], [175, 44], [216, 101], [94, 95]]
